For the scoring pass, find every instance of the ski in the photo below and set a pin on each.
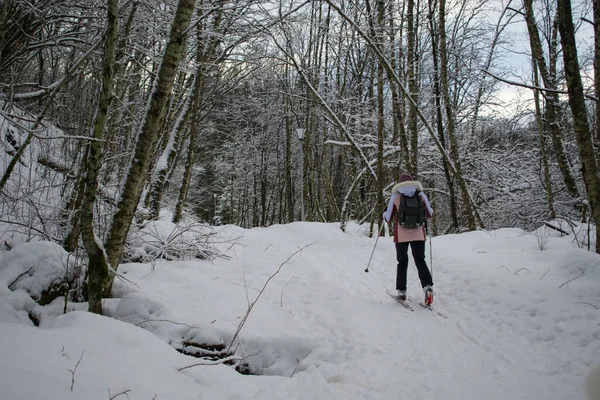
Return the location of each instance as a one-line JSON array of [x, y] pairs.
[[430, 308], [404, 303]]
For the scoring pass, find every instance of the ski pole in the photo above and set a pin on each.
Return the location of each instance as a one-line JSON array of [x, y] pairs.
[[431, 255], [376, 240]]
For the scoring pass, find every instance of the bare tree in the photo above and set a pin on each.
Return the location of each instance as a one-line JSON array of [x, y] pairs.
[[589, 163], [548, 74], [469, 212], [148, 135]]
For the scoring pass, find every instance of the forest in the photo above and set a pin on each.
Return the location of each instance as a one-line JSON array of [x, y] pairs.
[[256, 113]]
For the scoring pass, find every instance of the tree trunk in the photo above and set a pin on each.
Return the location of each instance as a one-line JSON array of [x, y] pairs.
[[148, 135], [73, 207], [597, 68], [97, 267], [412, 87], [167, 160], [376, 27], [454, 153], [438, 113], [399, 137], [289, 129], [542, 144], [589, 164], [552, 101]]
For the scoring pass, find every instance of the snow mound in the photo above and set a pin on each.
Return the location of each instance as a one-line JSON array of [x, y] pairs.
[[280, 356], [35, 267], [141, 310]]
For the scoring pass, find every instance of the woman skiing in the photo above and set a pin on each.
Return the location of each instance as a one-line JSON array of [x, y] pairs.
[[408, 208]]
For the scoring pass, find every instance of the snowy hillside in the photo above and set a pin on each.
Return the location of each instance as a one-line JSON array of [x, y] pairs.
[[322, 328]]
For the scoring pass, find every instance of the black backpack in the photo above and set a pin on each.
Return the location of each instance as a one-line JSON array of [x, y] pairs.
[[411, 213]]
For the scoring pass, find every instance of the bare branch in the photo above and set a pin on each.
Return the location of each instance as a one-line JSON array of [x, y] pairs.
[[524, 85], [571, 280], [588, 21], [545, 274]]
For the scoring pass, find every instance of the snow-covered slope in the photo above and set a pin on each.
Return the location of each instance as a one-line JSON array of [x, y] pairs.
[[325, 329]]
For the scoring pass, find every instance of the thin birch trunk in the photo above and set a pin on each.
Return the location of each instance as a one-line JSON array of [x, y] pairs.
[[97, 266], [148, 135], [159, 182]]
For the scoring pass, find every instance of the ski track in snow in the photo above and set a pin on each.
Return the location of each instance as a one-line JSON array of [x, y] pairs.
[[502, 331]]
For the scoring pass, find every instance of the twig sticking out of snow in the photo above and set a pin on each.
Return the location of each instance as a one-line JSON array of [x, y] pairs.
[[124, 392], [72, 371], [580, 275], [521, 269], [251, 305], [572, 279], [284, 286], [589, 304]]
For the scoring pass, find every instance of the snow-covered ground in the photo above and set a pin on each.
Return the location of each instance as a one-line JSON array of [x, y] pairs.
[[322, 328]]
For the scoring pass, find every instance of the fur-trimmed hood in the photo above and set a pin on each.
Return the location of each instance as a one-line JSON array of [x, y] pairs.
[[407, 188]]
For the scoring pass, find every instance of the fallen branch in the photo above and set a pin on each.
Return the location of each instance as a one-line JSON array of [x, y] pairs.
[[556, 228], [218, 362]]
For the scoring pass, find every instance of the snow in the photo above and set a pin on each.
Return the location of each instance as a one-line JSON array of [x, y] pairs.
[[522, 323], [33, 267]]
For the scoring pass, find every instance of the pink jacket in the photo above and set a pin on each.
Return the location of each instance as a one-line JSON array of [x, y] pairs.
[[401, 233]]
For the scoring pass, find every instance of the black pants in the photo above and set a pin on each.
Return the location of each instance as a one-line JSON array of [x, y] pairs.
[[418, 252]]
